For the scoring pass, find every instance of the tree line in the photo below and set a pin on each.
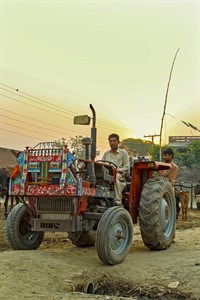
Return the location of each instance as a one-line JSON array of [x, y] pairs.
[[189, 158]]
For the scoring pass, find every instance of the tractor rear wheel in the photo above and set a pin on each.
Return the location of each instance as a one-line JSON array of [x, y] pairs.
[[157, 213], [82, 238], [19, 233], [114, 235]]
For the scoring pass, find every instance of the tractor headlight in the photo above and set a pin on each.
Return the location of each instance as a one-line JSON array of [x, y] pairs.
[[81, 165]]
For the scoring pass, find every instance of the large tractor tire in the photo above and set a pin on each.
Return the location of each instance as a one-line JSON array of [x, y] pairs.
[[82, 238], [19, 233], [114, 235], [157, 213]]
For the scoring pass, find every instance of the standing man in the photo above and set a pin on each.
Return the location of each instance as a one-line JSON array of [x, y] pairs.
[[121, 159], [171, 173]]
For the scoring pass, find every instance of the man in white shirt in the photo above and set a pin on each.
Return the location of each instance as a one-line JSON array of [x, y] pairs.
[[121, 159]]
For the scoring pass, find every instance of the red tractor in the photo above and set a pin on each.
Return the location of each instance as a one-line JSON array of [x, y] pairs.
[[62, 194]]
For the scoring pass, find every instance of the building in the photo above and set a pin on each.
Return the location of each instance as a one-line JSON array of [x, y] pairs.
[[180, 142]]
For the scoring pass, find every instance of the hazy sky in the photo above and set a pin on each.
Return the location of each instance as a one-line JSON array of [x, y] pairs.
[[116, 55]]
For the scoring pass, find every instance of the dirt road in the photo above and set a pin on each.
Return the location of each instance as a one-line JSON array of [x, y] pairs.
[[59, 270]]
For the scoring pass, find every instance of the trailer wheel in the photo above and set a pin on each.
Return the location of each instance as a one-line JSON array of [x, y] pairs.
[[114, 235], [157, 213], [82, 238], [19, 233]]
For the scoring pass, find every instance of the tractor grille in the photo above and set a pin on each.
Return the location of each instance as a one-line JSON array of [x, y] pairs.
[[56, 205]]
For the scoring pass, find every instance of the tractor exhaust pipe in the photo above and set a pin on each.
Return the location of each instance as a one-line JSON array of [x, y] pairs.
[[85, 120], [87, 142], [93, 133]]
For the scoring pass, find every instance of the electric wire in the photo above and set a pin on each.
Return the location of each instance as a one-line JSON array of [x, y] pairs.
[[83, 132], [42, 109], [184, 122], [10, 118], [52, 106], [36, 120], [42, 133], [11, 131], [61, 109], [39, 139], [33, 137], [6, 123], [45, 110]]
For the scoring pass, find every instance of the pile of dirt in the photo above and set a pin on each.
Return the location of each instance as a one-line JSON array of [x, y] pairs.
[[118, 287]]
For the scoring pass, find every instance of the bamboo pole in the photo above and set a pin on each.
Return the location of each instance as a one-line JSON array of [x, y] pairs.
[[166, 95]]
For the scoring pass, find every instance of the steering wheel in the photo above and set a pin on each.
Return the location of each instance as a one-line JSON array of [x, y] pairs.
[[108, 162], [44, 180]]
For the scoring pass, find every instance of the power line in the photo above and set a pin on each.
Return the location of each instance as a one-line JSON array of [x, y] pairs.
[[152, 137], [60, 108], [51, 106], [42, 100], [99, 138], [36, 120], [42, 133], [32, 137], [36, 138], [20, 101], [10, 118], [101, 124], [45, 110], [185, 123]]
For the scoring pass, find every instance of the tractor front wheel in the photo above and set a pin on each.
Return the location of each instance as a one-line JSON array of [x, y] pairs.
[[157, 213], [19, 233], [114, 235]]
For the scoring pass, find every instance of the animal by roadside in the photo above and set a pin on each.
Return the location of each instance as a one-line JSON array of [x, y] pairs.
[[4, 191], [184, 199]]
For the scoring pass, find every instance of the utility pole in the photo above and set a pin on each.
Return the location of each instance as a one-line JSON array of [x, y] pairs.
[[152, 136], [166, 95]]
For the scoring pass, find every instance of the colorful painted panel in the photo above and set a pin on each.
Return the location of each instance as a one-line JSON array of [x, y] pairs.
[[52, 190]]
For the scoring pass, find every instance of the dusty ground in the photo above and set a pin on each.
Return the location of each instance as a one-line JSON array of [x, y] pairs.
[[59, 270]]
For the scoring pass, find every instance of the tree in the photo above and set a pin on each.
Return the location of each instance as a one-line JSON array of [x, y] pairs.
[[154, 152], [75, 144], [60, 143], [190, 158], [189, 162], [194, 153], [139, 147]]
